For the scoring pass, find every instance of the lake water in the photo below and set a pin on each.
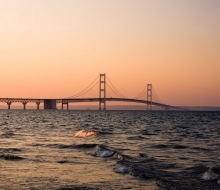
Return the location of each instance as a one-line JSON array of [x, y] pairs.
[[133, 149]]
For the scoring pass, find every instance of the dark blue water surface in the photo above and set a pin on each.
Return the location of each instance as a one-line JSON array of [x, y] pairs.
[[133, 149]]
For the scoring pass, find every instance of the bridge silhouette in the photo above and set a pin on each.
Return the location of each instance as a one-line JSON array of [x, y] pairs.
[[102, 99]]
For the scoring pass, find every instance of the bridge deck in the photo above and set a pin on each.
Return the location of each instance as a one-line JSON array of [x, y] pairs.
[[72, 100]]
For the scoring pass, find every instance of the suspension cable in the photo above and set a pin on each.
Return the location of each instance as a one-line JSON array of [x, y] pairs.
[[157, 96], [88, 89], [156, 99], [116, 89], [80, 93], [113, 88], [141, 94]]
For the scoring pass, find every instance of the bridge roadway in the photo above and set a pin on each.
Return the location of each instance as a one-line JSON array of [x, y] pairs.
[[64, 101]]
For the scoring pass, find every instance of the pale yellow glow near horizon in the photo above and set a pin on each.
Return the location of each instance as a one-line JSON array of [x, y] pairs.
[[55, 49]]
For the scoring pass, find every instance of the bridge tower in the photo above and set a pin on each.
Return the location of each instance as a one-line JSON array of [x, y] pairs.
[[102, 92], [149, 96]]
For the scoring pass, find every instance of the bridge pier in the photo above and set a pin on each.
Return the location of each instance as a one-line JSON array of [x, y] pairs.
[[9, 104], [38, 105], [167, 108], [50, 104], [65, 103], [24, 104]]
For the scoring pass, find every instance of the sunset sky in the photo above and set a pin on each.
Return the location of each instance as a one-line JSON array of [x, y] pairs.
[[56, 48]]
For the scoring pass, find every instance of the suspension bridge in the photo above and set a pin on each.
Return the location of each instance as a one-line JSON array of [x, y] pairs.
[[103, 81]]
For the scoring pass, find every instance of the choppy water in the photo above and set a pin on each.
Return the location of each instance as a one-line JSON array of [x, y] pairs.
[[134, 149]]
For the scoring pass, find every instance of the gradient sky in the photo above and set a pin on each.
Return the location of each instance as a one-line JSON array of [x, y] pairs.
[[56, 48]]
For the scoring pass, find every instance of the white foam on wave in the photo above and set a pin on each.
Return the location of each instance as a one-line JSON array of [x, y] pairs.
[[103, 153], [117, 156], [209, 175], [119, 168]]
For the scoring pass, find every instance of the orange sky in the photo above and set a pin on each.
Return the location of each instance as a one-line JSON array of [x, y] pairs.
[[56, 48]]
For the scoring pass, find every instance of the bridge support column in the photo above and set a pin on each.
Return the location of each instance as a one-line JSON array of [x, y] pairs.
[[149, 96], [65, 103], [24, 104], [167, 108], [102, 92], [50, 104], [9, 104], [38, 105]]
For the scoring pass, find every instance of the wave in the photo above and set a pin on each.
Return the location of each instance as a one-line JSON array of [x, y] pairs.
[[86, 145], [210, 175], [76, 187], [137, 169], [103, 152], [10, 157], [170, 146], [136, 138], [72, 146], [63, 161], [179, 147], [200, 149], [161, 146], [105, 133], [10, 150], [120, 168], [4, 123], [154, 169], [147, 133], [8, 134], [35, 144]]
